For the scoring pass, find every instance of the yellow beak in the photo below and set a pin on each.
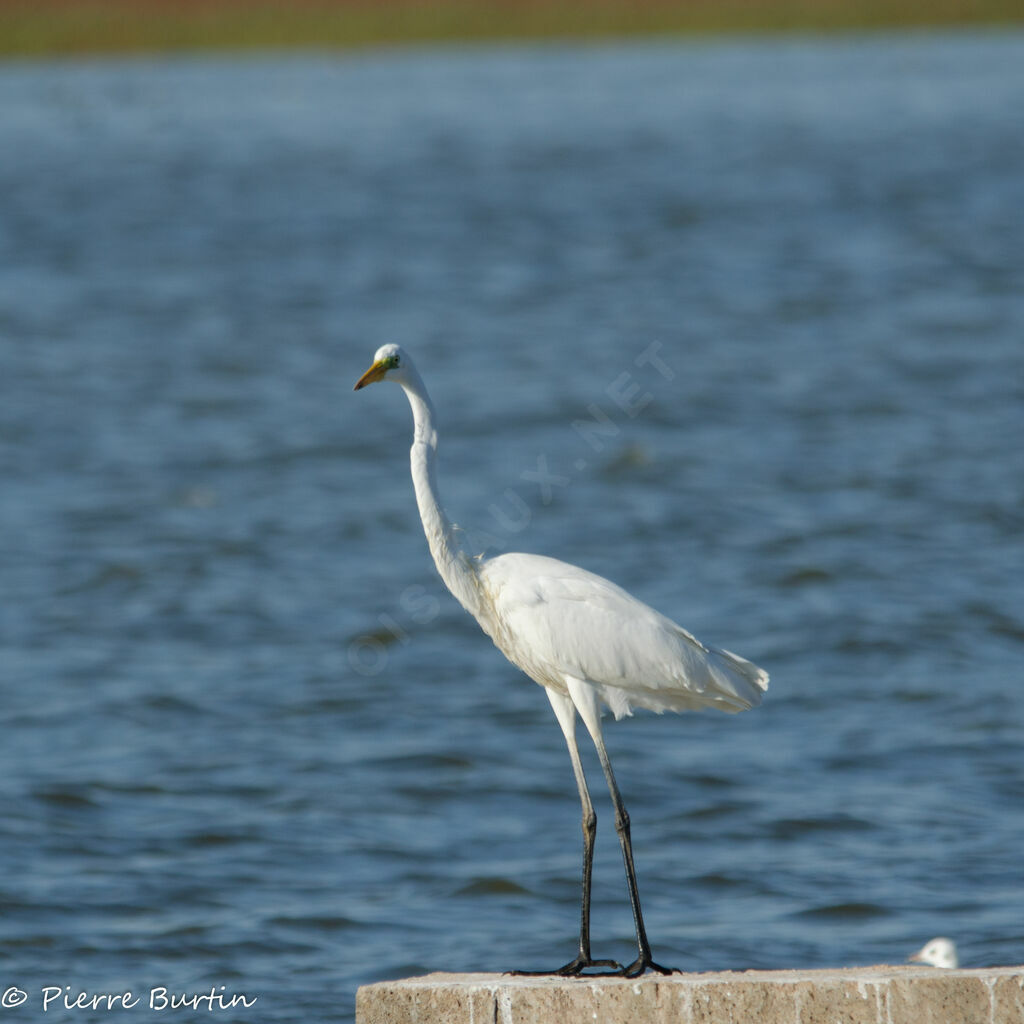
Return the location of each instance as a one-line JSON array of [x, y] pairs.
[[375, 372]]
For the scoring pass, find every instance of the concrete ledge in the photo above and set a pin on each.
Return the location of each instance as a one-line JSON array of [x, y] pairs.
[[855, 995]]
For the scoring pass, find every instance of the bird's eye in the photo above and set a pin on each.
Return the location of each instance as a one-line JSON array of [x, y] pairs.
[[393, 362]]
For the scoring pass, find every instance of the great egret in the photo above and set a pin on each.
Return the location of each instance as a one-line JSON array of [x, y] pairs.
[[940, 952], [582, 638]]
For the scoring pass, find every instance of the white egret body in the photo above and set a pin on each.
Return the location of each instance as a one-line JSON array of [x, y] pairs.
[[940, 952], [578, 635]]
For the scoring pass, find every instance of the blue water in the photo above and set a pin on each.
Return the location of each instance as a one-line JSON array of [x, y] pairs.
[[739, 325]]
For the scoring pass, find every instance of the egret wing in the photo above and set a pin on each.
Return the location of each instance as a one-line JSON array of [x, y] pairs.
[[553, 619]]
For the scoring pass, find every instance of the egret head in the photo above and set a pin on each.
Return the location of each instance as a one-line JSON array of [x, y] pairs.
[[389, 363], [940, 952]]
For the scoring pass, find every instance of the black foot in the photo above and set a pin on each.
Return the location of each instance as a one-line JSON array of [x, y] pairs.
[[645, 963], [574, 968]]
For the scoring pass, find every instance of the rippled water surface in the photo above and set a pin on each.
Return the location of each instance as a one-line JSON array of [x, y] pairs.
[[739, 325]]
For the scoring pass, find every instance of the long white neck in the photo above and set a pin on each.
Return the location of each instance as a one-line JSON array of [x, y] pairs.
[[455, 565]]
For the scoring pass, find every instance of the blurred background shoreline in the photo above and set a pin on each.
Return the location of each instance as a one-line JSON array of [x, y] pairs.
[[44, 28]]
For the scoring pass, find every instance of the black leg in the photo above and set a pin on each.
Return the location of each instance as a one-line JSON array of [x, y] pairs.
[[566, 714], [583, 960], [644, 960], [584, 697]]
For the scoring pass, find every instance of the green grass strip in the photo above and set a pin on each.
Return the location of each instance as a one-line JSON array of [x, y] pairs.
[[64, 27]]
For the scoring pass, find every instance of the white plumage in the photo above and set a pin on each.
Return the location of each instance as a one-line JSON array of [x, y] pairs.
[[580, 636], [552, 619], [939, 952]]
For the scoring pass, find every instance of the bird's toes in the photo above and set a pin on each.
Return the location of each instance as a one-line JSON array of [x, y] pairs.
[[645, 963], [575, 968], [584, 965]]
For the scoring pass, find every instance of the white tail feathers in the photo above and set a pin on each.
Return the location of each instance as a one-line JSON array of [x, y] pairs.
[[737, 678]]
